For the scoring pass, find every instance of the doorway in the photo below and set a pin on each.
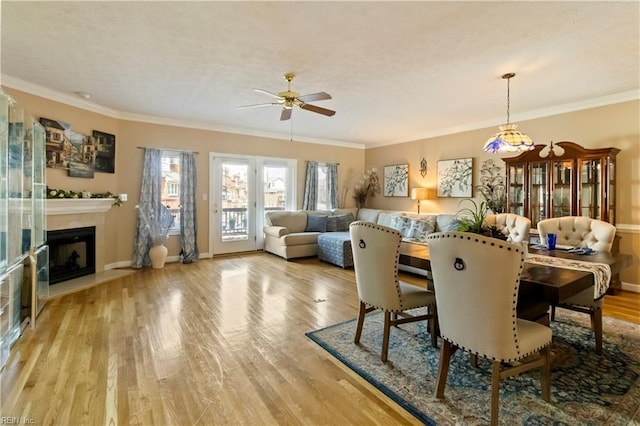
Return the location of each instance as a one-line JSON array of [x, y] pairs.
[[242, 189]]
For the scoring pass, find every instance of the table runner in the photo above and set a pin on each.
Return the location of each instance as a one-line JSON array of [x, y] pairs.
[[601, 271]]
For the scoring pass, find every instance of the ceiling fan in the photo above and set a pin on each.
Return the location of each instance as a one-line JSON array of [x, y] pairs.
[[288, 99]]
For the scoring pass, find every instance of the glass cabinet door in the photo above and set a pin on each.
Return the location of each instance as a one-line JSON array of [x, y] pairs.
[[38, 188], [4, 149], [590, 189], [562, 183], [516, 189], [539, 192], [15, 176]]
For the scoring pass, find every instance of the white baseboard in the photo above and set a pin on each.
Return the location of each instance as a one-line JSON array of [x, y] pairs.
[[631, 287]]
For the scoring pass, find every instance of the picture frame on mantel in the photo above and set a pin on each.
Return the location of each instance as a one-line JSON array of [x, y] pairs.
[[396, 180], [455, 178]]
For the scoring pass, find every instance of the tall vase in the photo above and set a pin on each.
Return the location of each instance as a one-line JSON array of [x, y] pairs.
[[158, 255]]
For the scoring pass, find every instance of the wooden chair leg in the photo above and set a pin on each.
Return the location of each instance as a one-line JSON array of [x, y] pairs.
[[361, 312], [596, 320], [433, 326], [495, 392], [545, 380], [474, 360], [385, 337], [443, 369]]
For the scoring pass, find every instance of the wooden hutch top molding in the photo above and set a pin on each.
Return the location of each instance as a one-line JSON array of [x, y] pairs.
[[571, 150]]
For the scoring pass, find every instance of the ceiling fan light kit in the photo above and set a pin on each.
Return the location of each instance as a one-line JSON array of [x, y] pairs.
[[508, 139], [288, 99]]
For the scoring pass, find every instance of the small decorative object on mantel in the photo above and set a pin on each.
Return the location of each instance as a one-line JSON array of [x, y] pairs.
[[65, 193], [366, 185], [423, 167]]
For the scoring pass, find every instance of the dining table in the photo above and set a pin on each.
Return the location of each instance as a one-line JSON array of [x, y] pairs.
[[540, 285]]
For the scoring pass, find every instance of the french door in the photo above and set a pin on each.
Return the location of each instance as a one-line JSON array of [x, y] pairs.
[[242, 189]]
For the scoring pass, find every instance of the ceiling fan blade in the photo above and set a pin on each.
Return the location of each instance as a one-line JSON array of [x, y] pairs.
[[259, 105], [268, 93], [286, 114], [320, 96], [317, 109]]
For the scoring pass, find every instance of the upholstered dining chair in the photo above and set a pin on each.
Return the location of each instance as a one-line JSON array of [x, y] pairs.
[[476, 281], [376, 251], [514, 227], [578, 231]]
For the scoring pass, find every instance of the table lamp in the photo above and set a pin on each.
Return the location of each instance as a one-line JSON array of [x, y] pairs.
[[419, 194]]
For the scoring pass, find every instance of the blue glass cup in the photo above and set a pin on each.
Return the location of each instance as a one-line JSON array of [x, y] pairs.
[[551, 241]]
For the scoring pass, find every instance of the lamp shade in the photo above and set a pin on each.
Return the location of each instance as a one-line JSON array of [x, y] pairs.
[[508, 139], [420, 194]]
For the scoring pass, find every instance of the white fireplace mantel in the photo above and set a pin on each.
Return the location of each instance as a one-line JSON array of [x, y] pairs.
[[60, 206]]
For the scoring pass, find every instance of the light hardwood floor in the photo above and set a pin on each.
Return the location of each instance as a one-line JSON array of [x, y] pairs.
[[220, 341]]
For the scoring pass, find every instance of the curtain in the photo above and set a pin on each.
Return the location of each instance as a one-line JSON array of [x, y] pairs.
[[311, 186], [188, 225], [332, 185], [152, 215]]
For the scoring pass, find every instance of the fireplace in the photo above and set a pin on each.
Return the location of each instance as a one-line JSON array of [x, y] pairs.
[[72, 253]]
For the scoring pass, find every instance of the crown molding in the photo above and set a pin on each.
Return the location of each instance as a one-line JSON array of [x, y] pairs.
[[73, 100]]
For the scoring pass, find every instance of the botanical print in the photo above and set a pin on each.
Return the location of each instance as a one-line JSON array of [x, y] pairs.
[[455, 178], [396, 181]]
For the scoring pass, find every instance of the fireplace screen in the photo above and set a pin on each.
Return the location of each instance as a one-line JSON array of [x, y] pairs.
[[71, 253]]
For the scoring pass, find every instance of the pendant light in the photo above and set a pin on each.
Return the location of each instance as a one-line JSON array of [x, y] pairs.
[[508, 139]]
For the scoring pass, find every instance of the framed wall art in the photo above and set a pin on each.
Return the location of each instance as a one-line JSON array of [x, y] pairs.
[[455, 178], [396, 180]]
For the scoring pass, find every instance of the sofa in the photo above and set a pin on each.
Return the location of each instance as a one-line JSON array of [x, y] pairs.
[[295, 234]]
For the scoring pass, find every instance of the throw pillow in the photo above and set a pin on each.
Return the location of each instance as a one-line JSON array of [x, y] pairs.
[[339, 222], [402, 224], [420, 228], [316, 224]]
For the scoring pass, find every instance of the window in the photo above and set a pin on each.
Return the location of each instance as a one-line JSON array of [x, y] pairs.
[[323, 188], [171, 186]]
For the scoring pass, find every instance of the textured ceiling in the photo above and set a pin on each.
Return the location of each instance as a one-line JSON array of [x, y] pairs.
[[397, 71]]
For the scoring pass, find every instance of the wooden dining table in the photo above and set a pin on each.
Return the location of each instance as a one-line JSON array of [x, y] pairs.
[[540, 285]]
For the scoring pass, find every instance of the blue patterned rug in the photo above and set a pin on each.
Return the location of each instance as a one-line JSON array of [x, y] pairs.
[[586, 388]]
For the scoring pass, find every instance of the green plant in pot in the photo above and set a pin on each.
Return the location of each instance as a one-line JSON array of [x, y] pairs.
[[471, 219]]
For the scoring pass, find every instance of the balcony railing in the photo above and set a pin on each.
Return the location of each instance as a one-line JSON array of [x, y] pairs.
[[234, 220]]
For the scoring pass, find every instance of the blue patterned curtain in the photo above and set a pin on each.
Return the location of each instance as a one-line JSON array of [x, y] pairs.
[[188, 223], [311, 186], [332, 185], [150, 207]]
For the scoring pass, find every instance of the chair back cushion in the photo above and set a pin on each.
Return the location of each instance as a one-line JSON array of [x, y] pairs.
[[476, 281], [578, 231], [515, 227], [376, 251]]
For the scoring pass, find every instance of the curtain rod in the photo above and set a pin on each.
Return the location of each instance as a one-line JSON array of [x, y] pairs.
[[170, 149], [324, 162]]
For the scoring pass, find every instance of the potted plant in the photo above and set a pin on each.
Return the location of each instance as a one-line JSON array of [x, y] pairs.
[[157, 223], [471, 219], [365, 185]]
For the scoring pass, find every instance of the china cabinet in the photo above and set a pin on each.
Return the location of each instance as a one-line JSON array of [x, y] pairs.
[[563, 179], [22, 221]]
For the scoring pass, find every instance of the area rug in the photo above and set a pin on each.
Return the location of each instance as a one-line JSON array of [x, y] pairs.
[[586, 388]]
